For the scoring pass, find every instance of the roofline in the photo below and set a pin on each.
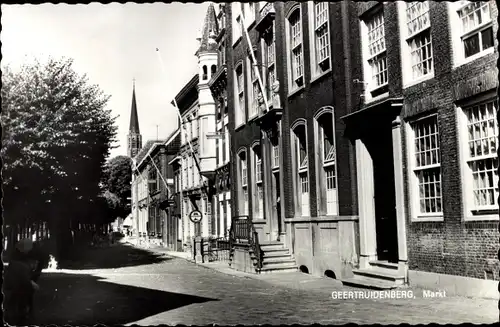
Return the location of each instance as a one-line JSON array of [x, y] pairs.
[[153, 146], [175, 159], [193, 82], [172, 136]]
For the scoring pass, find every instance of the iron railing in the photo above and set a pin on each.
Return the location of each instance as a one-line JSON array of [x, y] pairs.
[[243, 232], [218, 249]]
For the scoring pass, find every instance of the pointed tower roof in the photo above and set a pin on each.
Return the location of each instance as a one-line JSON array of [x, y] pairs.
[[134, 119], [209, 31]]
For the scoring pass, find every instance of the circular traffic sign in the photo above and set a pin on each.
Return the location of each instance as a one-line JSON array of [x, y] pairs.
[[195, 216]]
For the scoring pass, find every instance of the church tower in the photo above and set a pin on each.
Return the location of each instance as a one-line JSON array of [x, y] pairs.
[[134, 137], [207, 64]]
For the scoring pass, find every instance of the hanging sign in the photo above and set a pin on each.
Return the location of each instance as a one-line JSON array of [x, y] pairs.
[[195, 216]]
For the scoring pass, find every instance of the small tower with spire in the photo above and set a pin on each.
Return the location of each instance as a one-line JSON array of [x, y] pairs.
[[134, 137], [207, 63]]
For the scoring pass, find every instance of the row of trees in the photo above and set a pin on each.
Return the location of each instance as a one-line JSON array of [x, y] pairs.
[[56, 137]]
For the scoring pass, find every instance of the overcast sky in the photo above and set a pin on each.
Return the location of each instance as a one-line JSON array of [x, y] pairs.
[[113, 44]]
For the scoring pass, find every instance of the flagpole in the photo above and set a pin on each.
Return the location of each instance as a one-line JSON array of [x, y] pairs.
[[255, 65]]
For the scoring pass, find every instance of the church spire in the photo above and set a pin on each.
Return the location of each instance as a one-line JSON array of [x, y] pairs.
[[134, 120], [134, 134], [209, 31]]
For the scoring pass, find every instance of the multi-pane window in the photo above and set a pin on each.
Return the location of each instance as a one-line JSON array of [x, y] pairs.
[[152, 180], [254, 96], [427, 168], [244, 183], [259, 207], [320, 36], [377, 56], [270, 59], [240, 89], [477, 29], [296, 51], [276, 156], [328, 184], [419, 38], [481, 156], [301, 160]]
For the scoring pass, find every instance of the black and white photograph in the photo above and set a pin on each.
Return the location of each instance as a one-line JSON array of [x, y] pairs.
[[250, 163]]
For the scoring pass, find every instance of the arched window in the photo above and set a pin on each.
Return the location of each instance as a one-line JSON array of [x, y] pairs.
[[295, 48], [326, 164], [205, 74], [258, 207], [300, 156], [243, 172], [213, 70]]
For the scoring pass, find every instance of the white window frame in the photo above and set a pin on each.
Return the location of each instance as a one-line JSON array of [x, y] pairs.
[[253, 83], [301, 175], [236, 24], [258, 195], [243, 174], [413, 168], [294, 51], [239, 94], [269, 63], [319, 66], [458, 33], [249, 13], [406, 39], [374, 53], [326, 166], [473, 212]]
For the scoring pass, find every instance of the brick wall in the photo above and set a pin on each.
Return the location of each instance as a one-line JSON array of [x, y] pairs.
[[452, 246]]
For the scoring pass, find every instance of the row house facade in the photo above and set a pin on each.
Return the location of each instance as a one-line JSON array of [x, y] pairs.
[[221, 216], [372, 151], [152, 188]]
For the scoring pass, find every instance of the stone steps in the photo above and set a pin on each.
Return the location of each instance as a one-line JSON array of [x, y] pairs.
[[379, 275]]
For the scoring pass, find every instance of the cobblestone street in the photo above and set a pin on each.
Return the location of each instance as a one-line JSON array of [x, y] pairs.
[[174, 291]]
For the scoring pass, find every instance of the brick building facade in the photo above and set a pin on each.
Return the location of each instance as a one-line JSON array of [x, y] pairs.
[[375, 152]]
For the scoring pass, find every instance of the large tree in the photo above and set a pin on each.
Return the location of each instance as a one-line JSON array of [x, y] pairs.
[[56, 136], [117, 179]]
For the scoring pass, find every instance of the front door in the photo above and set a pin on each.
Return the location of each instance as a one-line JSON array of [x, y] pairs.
[[379, 144], [278, 203]]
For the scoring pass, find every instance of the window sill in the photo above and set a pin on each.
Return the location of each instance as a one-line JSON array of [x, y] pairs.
[[320, 76], [419, 80], [465, 61], [436, 218], [482, 217], [253, 117], [377, 98], [295, 91], [238, 127], [237, 41]]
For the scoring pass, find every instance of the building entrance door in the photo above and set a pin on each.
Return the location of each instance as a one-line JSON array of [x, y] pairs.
[[378, 141], [277, 205]]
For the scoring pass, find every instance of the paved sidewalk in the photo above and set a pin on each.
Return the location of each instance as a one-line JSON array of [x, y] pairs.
[[305, 282]]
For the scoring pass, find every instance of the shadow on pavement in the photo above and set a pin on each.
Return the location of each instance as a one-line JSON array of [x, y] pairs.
[[117, 255], [83, 299]]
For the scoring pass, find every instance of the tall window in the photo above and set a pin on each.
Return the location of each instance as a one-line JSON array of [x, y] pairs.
[[481, 155], [295, 49], [320, 36], [269, 58], [327, 180], [376, 54], [276, 155], [476, 27], [253, 97], [301, 164], [152, 180], [244, 183], [419, 38], [236, 25], [259, 189], [427, 166], [240, 96]]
